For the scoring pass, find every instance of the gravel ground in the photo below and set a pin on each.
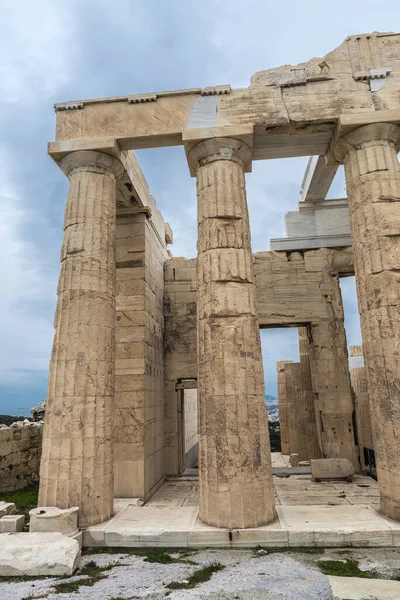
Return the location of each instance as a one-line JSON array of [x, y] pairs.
[[247, 575]]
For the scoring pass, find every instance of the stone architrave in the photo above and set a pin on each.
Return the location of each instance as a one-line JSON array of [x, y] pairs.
[[77, 459], [372, 171], [236, 489], [283, 407]]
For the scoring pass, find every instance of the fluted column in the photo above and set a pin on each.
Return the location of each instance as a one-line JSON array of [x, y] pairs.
[[308, 432], [77, 460], [372, 171], [283, 406], [236, 489]]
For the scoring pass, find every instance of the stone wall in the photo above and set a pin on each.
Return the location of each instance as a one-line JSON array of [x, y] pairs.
[[139, 448], [292, 289], [20, 451]]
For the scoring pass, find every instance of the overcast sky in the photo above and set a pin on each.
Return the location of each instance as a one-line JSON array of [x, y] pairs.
[[55, 51]]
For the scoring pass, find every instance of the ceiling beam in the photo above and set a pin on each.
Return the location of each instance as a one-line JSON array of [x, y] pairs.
[[317, 179]]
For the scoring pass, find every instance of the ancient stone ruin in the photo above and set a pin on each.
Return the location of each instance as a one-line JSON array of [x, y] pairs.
[[135, 328]]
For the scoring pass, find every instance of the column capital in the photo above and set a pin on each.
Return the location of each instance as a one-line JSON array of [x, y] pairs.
[[207, 145], [360, 130], [281, 364], [91, 160]]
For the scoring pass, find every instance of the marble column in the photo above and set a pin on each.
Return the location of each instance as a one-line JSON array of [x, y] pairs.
[[293, 403], [283, 406], [236, 489], [372, 171], [77, 459], [308, 431]]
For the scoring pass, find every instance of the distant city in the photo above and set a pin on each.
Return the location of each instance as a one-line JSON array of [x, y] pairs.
[[273, 407]]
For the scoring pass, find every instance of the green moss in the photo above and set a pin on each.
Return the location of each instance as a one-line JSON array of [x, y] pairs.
[[346, 568], [196, 578], [68, 587], [24, 499], [93, 573], [159, 556], [152, 555]]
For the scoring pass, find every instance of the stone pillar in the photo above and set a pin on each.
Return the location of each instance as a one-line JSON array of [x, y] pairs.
[[293, 403], [308, 431], [77, 460], [359, 382], [283, 407], [236, 489], [372, 171], [331, 378]]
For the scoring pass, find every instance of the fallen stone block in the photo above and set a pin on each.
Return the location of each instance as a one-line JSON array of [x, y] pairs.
[[37, 554], [355, 588], [331, 468], [7, 508], [10, 523], [51, 518], [294, 460]]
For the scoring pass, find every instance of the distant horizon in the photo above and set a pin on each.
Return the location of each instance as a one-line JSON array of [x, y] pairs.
[[23, 411]]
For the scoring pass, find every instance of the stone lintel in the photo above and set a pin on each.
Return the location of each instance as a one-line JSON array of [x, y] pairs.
[[309, 243], [134, 210], [192, 137], [349, 122]]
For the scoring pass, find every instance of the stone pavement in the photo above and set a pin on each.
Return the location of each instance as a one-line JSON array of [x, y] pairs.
[[325, 514]]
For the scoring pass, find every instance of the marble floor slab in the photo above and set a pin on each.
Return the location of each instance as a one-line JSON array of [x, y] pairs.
[[325, 514]]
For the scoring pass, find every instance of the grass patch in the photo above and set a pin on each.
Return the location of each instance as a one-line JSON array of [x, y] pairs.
[[159, 556], [93, 573], [151, 555], [24, 499], [196, 578], [68, 587], [347, 568], [92, 568]]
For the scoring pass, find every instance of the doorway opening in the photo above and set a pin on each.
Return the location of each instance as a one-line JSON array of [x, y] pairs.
[[188, 424], [362, 414], [277, 344]]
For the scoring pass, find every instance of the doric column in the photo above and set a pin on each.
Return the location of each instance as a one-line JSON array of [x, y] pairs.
[[359, 382], [283, 406], [307, 411], [77, 460], [293, 403], [236, 489], [372, 170]]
